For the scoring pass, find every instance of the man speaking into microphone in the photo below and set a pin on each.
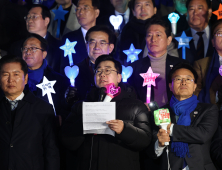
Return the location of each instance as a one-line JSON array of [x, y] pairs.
[[192, 125]]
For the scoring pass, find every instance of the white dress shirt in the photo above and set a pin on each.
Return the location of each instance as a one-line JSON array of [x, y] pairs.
[[84, 31], [206, 38], [126, 14], [20, 97]]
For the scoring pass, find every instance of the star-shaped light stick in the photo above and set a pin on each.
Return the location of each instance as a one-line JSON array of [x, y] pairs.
[[68, 48], [47, 88], [126, 72], [149, 79], [132, 53], [59, 15], [183, 42], [218, 12], [173, 17]]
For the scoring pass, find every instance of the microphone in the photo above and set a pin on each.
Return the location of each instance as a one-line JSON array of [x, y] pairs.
[[102, 94]]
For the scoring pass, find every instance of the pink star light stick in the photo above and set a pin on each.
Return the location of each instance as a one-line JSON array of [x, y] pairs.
[[149, 79]]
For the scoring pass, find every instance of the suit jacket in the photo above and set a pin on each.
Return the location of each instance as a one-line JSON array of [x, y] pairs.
[[80, 48], [214, 88], [60, 87], [71, 25], [85, 79], [198, 136], [53, 53], [30, 144], [191, 53], [141, 66]]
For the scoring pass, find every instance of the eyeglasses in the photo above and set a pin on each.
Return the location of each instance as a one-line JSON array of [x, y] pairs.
[[33, 17], [180, 80], [219, 34], [32, 49], [106, 71], [93, 43], [85, 9]]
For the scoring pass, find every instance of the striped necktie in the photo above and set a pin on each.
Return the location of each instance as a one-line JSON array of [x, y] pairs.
[[14, 104]]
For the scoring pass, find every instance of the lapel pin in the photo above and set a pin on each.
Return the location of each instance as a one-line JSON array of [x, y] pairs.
[[171, 66], [195, 112]]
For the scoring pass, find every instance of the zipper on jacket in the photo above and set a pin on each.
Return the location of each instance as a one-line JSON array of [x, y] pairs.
[[91, 153]]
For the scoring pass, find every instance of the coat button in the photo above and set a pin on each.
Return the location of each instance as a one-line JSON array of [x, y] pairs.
[[11, 145], [7, 123]]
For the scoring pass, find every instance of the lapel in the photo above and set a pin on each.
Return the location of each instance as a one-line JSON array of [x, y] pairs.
[[72, 22], [195, 114]]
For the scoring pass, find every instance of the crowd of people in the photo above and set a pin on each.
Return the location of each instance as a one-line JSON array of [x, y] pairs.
[[42, 111]]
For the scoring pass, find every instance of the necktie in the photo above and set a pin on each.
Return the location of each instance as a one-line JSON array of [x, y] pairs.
[[200, 46], [14, 104], [122, 24]]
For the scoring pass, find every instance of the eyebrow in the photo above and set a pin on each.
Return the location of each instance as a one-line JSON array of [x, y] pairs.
[[186, 75], [13, 71], [105, 66]]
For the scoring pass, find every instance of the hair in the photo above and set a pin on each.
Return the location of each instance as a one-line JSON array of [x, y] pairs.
[[132, 4], [95, 4], [45, 11], [14, 59], [43, 42], [102, 58], [181, 66], [218, 22], [155, 20], [103, 28], [207, 1]]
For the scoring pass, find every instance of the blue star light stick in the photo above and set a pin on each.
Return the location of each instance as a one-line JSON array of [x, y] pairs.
[[126, 72], [59, 15], [68, 48], [132, 53], [173, 17], [183, 42]]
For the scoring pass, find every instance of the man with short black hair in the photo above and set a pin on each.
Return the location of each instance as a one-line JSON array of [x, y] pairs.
[[37, 22], [131, 126], [198, 15], [27, 139], [192, 125]]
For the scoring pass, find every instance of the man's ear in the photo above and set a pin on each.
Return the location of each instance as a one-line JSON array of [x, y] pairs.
[[97, 11], [209, 13], [111, 47], [212, 40], [155, 10], [119, 78], [170, 86], [195, 86], [169, 39], [26, 78], [44, 53], [47, 20]]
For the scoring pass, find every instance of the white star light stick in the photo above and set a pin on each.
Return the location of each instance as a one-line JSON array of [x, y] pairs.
[[47, 88]]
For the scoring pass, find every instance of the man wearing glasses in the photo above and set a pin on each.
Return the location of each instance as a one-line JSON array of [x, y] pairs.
[[34, 51], [192, 126], [37, 21], [87, 11], [99, 40]]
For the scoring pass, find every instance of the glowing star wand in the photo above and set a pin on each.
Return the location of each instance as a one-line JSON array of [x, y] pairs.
[[47, 88], [173, 17], [132, 53], [183, 42], [59, 15], [149, 79], [68, 48]]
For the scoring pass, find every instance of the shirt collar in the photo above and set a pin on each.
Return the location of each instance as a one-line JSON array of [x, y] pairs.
[[126, 13], [20, 97], [84, 31]]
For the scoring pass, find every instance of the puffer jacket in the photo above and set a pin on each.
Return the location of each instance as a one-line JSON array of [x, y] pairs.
[[105, 152]]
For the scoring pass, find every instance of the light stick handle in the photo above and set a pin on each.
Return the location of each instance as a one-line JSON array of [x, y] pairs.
[[51, 101], [148, 94], [108, 98], [70, 59], [72, 81], [58, 28], [184, 52], [174, 28], [164, 126]]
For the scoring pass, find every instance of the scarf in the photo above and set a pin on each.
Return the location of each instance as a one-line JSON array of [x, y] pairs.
[[212, 73], [183, 109], [35, 76]]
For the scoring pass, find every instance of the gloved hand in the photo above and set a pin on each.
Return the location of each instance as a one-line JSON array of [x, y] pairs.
[[71, 95]]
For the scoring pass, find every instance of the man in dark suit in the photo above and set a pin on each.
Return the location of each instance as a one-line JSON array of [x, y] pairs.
[[87, 11], [199, 13], [192, 125], [34, 51], [27, 139], [37, 22], [100, 40], [158, 37]]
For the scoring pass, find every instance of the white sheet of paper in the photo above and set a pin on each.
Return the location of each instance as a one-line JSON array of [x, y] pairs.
[[95, 115]]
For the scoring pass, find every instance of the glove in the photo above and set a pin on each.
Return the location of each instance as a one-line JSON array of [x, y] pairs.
[[71, 95]]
